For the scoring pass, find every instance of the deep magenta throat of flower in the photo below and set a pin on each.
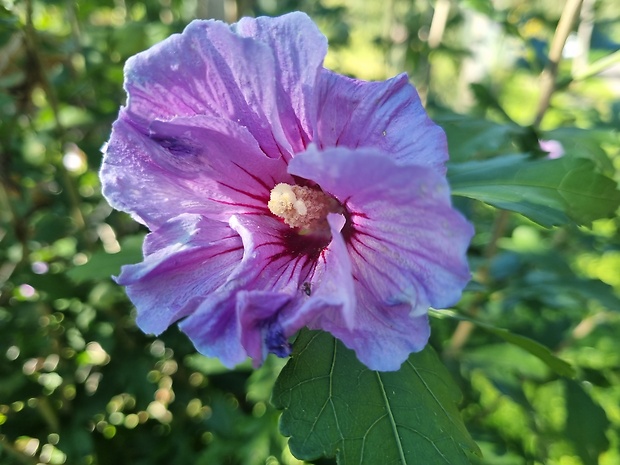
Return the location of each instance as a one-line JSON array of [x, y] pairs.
[[304, 207], [279, 194]]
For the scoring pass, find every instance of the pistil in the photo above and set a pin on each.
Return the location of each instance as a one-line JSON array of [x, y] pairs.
[[302, 207]]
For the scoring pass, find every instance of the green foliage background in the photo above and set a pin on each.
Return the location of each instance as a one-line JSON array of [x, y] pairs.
[[79, 384]]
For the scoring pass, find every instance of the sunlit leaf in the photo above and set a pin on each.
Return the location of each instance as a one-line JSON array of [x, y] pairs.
[[587, 143], [103, 265], [550, 192], [210, 365], [558, 365], [335, 407]]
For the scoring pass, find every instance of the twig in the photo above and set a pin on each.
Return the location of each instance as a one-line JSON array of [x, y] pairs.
[[598, 66], [550, 73], [438, 23], [435, 36], [464, 329], [584, 36]]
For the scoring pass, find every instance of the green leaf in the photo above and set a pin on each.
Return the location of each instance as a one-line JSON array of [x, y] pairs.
[[589, 441], [336, 407], [550, 192], [482, 6], [587, 143], [558, 365], [103, 265], [211, 366], [470, 137]]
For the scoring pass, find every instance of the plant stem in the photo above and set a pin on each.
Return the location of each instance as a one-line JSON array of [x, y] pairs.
[[435, 36], [584, 36], [464, 329], [438, 23], [549, 75], [598, 66]]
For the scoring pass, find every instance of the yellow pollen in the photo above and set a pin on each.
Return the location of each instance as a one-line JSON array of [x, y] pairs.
[[301, 207]]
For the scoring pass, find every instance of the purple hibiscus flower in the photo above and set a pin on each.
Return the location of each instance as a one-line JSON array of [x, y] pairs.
[[281, 195]]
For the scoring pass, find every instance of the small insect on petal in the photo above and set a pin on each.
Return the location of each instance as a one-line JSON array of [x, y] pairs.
[[306, 288]]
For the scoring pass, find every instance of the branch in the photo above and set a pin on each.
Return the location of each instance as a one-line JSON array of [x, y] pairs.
[[550, 73]]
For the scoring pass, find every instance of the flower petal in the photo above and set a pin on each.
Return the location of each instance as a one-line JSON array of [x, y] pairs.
[[381, 342], [299, 49], [214, 330], [185, 260], [236, 320], [261, 332], [333, 292], [267, 293], [198, 164], [384, 115], [406, 243], [207, 70], [260, 72]]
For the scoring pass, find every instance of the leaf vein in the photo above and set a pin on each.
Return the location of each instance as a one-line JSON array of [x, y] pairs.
[[399, 444]]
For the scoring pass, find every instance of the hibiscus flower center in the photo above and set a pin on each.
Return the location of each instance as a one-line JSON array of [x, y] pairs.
[[302, 207]]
